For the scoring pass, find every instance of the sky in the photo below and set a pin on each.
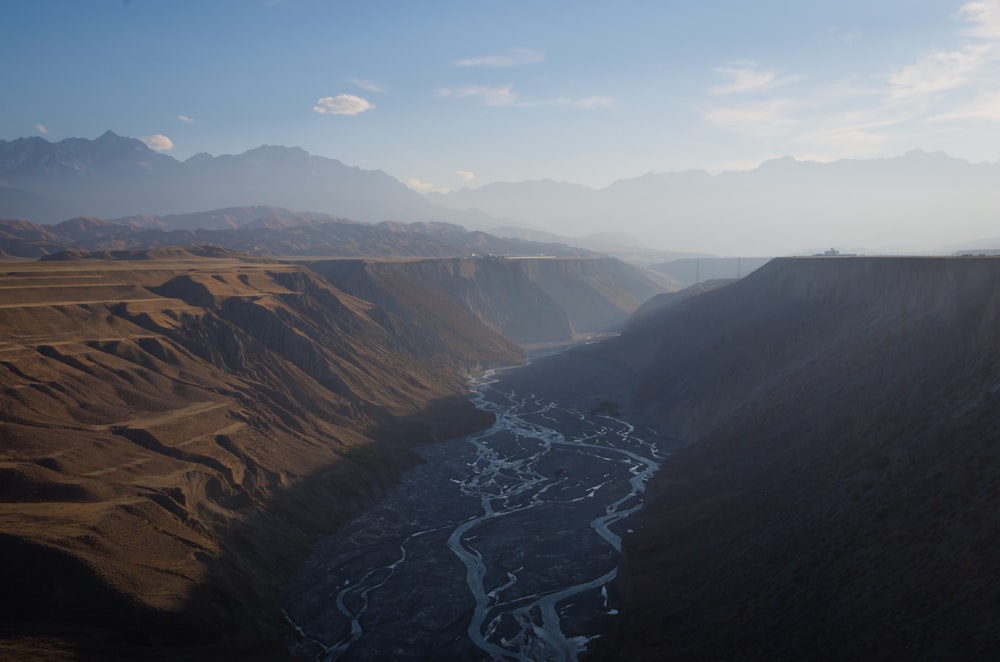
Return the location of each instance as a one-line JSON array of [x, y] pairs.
[[443, 95]]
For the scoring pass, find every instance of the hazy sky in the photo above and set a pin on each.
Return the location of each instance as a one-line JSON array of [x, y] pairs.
[[452, 94]]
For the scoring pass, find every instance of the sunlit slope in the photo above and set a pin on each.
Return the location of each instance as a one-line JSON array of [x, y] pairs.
[[176, 430], [839, 496]]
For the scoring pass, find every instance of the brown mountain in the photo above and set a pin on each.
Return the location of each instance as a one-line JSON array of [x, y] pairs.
[[837, 498], [175, 430]]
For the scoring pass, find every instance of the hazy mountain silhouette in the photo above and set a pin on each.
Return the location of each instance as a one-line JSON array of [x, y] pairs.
[[920, 201], [115, 176]]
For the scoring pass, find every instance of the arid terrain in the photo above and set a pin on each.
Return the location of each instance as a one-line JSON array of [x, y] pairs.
[[180, 425], [177, 428]]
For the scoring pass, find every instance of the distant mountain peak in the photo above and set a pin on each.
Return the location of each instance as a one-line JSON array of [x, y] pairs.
[[114, 176], [277, 151]]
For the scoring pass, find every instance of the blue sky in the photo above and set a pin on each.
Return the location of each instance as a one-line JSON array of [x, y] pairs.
[[451, 94]]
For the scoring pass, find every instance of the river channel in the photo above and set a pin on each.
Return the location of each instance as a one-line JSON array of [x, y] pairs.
[[503, 545]]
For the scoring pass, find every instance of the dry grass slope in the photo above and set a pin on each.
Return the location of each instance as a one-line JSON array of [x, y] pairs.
[[174, 432]]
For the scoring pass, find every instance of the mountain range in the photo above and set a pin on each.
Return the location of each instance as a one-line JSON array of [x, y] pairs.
[[114, 176], [916, 202]]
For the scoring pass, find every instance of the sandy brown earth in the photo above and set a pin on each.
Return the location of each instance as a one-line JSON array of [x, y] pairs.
[[176, 430], [839, 495]]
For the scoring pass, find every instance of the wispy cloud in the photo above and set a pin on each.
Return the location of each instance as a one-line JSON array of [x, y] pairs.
[[504, 95], [186, 119], [859, 116], [984, 108], [158, 142], [41, 128], [747, 79], [984, 15], [849, 133], [512, 57], [465, 175], [423, 187], [940, 71], [762, 119], [342, 104], [488, 95], [367, 85]]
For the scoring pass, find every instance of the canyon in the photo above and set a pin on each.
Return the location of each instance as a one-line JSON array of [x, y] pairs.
[[182, 426]]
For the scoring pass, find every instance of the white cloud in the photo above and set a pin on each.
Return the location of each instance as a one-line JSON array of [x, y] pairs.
[[342, 104], [513, 57], [370, 86], [749, 79], [984, 16], [186, 119], [466, 175], [158, 142], [940, 71], [490, 95], [422, 186], [41, 128]]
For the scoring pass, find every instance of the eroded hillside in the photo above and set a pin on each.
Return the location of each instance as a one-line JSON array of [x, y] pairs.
[[529, 300], [177, 429], [838, 496]]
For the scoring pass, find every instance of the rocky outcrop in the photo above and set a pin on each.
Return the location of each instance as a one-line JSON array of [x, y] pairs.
[[835, 499], [176, 431]]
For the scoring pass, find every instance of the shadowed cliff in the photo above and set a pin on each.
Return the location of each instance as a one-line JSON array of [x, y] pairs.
[[838, 494]]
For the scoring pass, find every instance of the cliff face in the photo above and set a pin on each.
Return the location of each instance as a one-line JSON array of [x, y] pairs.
[[837, 496], [177, 430], [530, 300]]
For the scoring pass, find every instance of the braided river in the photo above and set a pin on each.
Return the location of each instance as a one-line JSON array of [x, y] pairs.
[[504, 544]]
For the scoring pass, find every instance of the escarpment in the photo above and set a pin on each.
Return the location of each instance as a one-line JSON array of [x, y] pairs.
[[177, 430], [837, 494], [529, 300]]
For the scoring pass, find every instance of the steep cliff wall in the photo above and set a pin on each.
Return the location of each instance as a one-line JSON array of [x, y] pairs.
[[837, 497], [530, 300], [175, 431]]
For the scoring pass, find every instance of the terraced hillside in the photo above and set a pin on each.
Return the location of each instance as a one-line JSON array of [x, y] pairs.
[[175, 430]]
